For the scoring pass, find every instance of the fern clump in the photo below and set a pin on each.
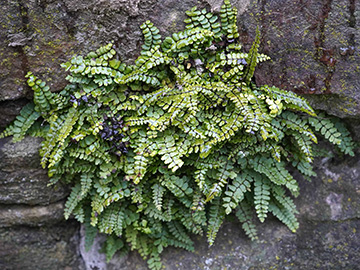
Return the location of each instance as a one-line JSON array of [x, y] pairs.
[[170, 146]]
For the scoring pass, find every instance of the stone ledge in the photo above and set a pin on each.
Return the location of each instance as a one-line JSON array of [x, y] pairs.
[[22, 180], [16, 215], [42, 248]]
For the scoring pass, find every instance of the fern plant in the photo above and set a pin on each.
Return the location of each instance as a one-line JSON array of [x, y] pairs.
[[171, 145]]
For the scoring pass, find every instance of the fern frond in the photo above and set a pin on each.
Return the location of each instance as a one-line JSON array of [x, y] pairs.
[[326, 128], [79, 213], [252, 58], [284, 215], [296, 123], [109, 220], [261, 198], [236, 190], [151, 35], [154, 262], [275, 171], [347, 145], [285, 201], [112, 245], [158, 193], [292, 101], [51, 139], [243, 213], [216, 218], [178, 231], [302, 165], [228, 20], [202, 19], [179, 41], [86, 183], [132, 237], [190, 224], [23, 122], [90, 234], [72, 201], [157, 214], [222, 178], [179, 186]]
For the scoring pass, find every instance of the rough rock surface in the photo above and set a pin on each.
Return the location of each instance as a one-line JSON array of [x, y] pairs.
[[22, 180], [43, 248], [314, 46]]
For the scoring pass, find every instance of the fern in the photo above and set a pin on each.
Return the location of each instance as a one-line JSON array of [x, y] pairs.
[[228, 20], [73, 200], [155, 262], [44, 99], [151, 35], [22, 124], [216, 218], [178, 231], [112, 245], [86, 183], [243, 213], [261, 198], [236, 191], [326, 128], [168, 147], [158, 193], [292, 101], [90, 233], [252, 57], [346, 145], [284, 215], [275, 172]]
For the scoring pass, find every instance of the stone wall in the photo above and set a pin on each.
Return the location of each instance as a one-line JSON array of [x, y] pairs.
[[314, 46]]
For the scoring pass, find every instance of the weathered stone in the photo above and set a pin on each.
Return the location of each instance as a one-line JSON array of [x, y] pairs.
[[15, 215], [311, 248], [241, 5], [13, 61], [334, 194], [24, 154], [9, 110], [41, 248], [314, 46], [22, 181]]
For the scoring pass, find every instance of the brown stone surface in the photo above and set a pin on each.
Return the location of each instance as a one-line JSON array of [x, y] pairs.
[[22, 180], [13, 61], [29, 215], [40, 248], [314, 46], [9, 110]]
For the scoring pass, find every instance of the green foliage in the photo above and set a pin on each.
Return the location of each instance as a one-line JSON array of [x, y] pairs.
[[171, 145], [23, 122], [244, 215]]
